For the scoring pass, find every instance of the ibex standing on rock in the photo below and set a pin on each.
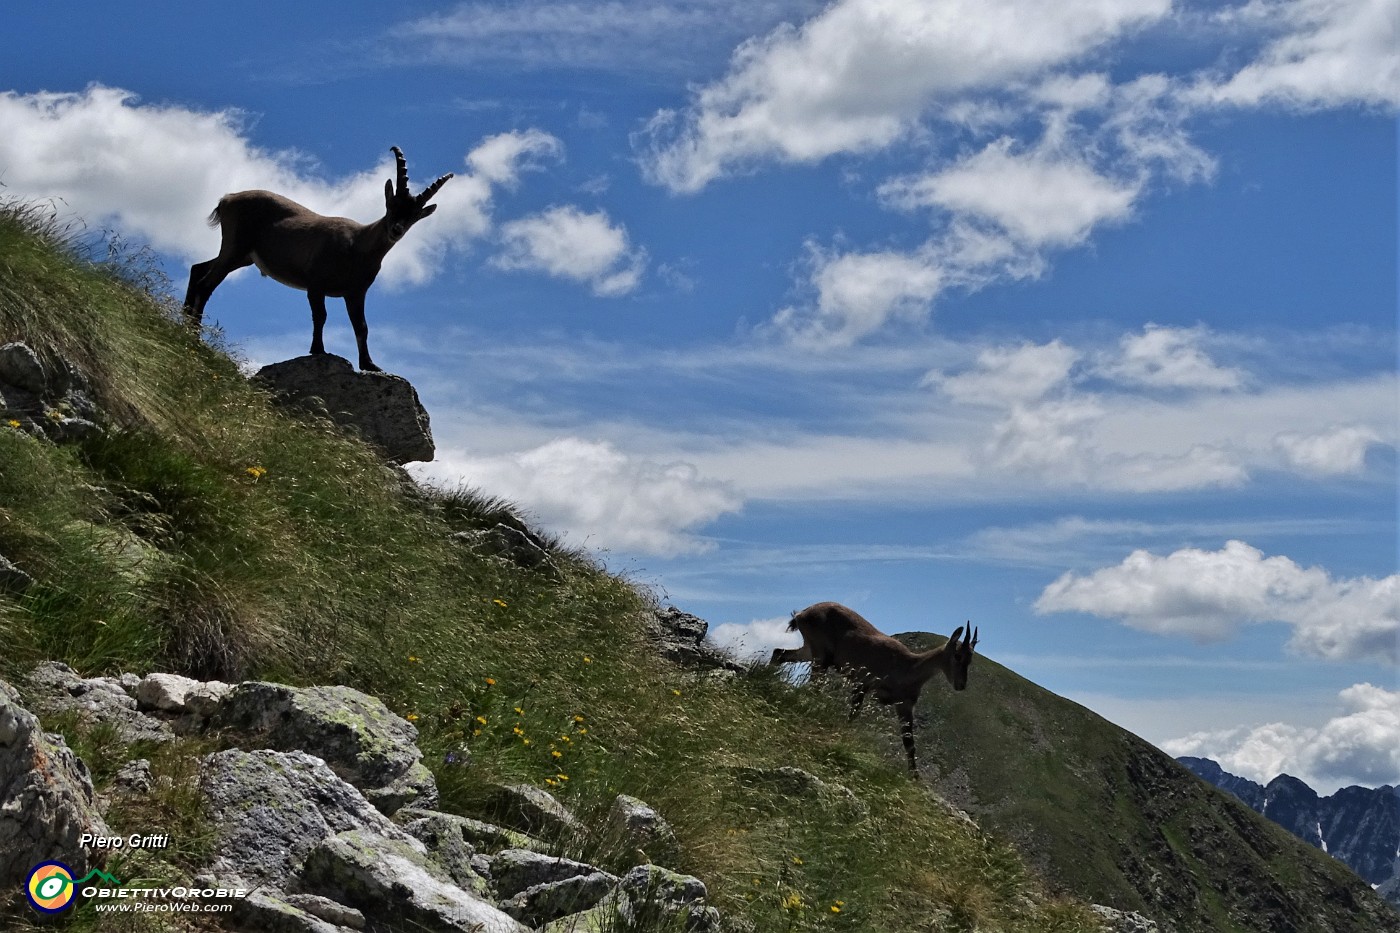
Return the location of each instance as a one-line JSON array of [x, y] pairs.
[[833, 635], [322, 256]]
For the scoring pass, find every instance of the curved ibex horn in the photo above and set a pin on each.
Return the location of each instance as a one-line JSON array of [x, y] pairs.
[[403, 170], [432, 189]]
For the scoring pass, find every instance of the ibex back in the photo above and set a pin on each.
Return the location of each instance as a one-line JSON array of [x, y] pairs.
[[835, 636], [323, 256]]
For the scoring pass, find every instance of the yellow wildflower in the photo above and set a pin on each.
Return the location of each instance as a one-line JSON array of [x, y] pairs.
[[562, 777], [835, 908], [796, 860], [578, 719], [520, 711], [518, 731], [587, 659], [556, 754], [499, 602], [412, 717], [490, 681], [14, 424], [676, 692], [414, 659], [481, 719], [526, 741], [793, 902], [256, 472]]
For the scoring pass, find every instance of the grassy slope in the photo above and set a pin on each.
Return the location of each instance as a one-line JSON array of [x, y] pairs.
[[160, 547], [1117, 821]]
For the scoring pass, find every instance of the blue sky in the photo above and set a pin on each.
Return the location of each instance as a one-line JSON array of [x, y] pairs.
[[1075, 320]]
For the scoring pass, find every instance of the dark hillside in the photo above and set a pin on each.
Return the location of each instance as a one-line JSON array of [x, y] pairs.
[[1117, 821]]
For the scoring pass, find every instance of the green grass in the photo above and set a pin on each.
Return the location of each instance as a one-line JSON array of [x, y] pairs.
[[210, 534]]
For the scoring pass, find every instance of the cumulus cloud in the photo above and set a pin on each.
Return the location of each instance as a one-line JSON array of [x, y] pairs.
[[1334, 452], [565, 242], [1360, 746], [858, 76], [595, 493], [154, 171], [1168, 358], [1322, 53], [1208, 595], [1039, 198], [754, 640], [857, 294], [1022, 373]]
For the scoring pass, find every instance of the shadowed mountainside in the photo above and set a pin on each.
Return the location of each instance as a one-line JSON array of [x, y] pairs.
[[1116, 821]]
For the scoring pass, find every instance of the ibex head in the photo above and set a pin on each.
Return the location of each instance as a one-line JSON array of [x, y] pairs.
[[402, 208], [961, 657]]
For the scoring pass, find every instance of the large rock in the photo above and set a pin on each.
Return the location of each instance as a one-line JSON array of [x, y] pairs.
[[57, 688], [356, 734], [633, 825], [49, 400], [270, 809], [382, 407], [12, 579], [515, 870], [46, 798], [680, 637], [532, 810], [543, 903], [396, 882]]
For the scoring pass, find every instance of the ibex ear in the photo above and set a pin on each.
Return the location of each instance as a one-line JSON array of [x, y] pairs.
[[953, 642], [426, 211], [389, 191]]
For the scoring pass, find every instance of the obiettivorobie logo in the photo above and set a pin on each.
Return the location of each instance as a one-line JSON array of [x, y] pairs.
[[51, 886]]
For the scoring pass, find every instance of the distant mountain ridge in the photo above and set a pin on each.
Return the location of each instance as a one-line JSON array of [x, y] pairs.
[[1360, 826]]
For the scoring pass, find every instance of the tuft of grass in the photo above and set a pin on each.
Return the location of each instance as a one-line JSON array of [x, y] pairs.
[[211, 534]]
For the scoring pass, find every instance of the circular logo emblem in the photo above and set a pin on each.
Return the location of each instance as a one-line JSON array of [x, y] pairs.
[[50, 887]]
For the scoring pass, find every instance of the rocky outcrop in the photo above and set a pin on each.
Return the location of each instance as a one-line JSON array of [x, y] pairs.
[[300, 826], [12, 579], [383, 408], [680, 637], [57, 689], [354, 733], [1125, 921], [515, 545], [46, 798], [50, 400]]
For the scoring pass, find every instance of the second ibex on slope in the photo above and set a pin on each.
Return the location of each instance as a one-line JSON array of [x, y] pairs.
[[323, 256], [835, 636]]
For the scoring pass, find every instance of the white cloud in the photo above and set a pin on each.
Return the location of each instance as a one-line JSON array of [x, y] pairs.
[[1333, 452], [1023, 373], [1330, 53], [1168, 358], [1361, 746], [756, 639], [567, 243], [501, 158], [599, 495], [857, 294], [1210, 594], [155, 171], [1040, 198], [857, 77]]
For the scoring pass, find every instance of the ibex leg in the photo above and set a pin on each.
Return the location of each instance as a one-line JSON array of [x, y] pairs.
[[906, 731], [355, 305], [318, 322]]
